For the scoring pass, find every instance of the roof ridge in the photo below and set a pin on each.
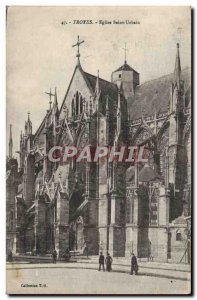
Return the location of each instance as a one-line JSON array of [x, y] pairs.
[[158, 78], [41, 124], [121, 68], [100, 78]]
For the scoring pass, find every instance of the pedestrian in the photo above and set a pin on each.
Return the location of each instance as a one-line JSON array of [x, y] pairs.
[[10, 256], [134, 265], [87, 251], [67, 255], [54, 255], [151, 257], [101, 261], [108, 261]]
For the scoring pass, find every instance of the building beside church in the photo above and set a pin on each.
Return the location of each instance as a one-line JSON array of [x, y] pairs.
[[113, 206]]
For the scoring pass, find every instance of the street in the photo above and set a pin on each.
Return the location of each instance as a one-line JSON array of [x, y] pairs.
[[72, 279]]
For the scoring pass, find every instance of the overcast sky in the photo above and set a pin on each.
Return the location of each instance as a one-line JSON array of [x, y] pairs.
[[40, 53]]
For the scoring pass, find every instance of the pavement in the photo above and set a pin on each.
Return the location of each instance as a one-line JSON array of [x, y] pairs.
[[120, 265], [84, 278]]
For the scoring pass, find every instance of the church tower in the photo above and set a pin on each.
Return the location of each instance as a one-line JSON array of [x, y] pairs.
[[127, 79]]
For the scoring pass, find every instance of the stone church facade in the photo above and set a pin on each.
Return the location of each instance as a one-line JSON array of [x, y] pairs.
[[111, 206]]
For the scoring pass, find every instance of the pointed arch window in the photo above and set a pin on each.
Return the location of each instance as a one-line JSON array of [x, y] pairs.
[[77, 104], [81, 104], [73, 107], [86, 107]]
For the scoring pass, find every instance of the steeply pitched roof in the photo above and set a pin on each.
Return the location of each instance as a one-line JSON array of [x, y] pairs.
[[107, 87], [42, 124], [78, 67], [147, 174], [125, 67], [155, 95], [177, 69]]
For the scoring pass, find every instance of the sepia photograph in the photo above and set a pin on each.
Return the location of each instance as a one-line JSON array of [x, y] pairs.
[[98, 155]]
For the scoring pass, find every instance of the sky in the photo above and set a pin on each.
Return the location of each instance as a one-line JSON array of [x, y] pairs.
[[40, 56]]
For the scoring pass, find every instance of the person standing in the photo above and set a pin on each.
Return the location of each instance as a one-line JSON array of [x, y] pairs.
[[67, 255], [54, 255], [10, 256], [86, 250], [101, 261], [108, 261], [134, 265]]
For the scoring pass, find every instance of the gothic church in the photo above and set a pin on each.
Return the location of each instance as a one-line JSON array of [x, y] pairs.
[[110, 206]]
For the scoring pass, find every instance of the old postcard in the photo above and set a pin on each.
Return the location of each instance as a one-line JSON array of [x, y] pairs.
[[98, 150]]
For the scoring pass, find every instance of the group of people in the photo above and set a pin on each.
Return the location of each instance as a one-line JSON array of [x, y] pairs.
[[108, 261], [102, 261]]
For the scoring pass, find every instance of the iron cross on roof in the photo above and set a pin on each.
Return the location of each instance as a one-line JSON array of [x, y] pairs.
[[78, 44], [125, 53], [50, 94]]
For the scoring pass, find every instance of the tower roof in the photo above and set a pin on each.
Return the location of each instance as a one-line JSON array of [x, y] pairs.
[[97, 87], [28, 119], [125, 67], [177, 69], [10, 142]]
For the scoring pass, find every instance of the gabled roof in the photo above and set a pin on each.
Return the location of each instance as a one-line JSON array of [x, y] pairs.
[[147, 174], [155, 95], [107, 88], [78, 67], [125, 67]]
